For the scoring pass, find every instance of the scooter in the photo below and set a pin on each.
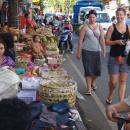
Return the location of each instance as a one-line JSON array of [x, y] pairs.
[[63, 41]]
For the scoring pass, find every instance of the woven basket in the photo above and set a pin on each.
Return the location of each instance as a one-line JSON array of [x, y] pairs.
[[55, 59], [55, 91], [22, 61], [53, 73]]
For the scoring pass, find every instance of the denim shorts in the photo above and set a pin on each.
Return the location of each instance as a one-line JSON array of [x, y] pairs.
[[114, 67]]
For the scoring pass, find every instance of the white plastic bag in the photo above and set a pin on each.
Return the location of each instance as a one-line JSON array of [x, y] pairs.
[[9, 83], [31, 83], [127, 48]]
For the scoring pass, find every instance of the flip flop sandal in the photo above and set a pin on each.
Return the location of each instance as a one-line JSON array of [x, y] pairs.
[[88, 93], [108, 101], [94, 87]]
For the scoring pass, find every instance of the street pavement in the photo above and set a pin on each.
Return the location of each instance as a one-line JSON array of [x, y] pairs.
[[91, 108]]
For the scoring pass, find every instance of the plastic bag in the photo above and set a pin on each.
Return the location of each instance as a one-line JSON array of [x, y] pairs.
[[127, 48], [9, 83]]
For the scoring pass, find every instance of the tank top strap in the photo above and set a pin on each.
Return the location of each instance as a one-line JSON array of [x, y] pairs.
[[114, 26], [127, 31]]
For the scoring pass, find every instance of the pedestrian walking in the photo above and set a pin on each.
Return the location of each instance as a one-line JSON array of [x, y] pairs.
[[91, 44], [116, 38]]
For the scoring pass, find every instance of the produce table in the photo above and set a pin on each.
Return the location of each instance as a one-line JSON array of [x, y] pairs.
[[46, 80]]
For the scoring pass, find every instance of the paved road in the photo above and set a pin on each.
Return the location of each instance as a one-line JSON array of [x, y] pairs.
[[92, 108]]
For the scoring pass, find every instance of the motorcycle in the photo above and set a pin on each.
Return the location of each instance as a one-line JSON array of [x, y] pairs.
[[63, 41]]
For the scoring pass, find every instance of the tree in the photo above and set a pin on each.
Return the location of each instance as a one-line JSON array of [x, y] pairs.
[[13, 13], [60, 4]]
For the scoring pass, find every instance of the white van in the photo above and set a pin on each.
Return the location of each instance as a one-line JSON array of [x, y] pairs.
[[102, 17], [83, 11]]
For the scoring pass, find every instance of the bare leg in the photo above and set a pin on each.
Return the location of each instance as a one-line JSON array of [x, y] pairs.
[[122, 85], [89, 83], [94, 80], [128, 126], [112, 83]]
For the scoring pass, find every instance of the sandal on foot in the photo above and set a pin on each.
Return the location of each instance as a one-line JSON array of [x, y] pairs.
[[94, 87], [108, 101], [88, 93]]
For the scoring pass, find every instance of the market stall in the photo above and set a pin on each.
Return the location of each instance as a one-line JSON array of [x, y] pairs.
[[43, 79]]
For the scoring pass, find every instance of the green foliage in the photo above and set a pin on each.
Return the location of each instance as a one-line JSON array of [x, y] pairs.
[[61, 5]]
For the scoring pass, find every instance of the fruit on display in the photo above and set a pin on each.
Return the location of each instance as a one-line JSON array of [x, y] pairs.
[[26, 48], [19, 46], [44, 39], [40, 62], [47, 32], [52, 49], [49, 40], [21, 62], [22, 59], [35, 71]]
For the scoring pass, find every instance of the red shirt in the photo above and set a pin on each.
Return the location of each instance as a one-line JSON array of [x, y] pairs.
[[22, 21]]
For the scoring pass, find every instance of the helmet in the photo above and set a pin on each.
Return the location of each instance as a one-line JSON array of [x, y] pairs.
[[67, 20]]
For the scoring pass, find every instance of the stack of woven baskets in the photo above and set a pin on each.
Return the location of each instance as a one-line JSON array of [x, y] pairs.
[[58, 90]]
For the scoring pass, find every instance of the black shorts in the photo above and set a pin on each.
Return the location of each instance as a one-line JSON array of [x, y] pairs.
[[91, 62]]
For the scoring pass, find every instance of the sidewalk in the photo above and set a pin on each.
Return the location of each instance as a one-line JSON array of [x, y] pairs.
[[92, 116], [79, 123], [90, 108]]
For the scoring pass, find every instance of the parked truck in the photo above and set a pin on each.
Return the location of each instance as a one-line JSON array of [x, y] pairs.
[[84, 3]]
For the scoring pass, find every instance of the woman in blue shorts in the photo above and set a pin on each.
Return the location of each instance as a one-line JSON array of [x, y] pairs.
[[116, 37]]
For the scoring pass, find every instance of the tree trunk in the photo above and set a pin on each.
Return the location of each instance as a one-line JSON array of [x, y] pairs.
[[13, 13]]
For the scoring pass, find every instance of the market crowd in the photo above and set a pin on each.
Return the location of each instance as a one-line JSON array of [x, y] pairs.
[[15, 113]]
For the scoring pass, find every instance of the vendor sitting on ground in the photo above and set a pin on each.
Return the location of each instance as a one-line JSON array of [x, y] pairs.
[[5, 60], [38, 51]]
